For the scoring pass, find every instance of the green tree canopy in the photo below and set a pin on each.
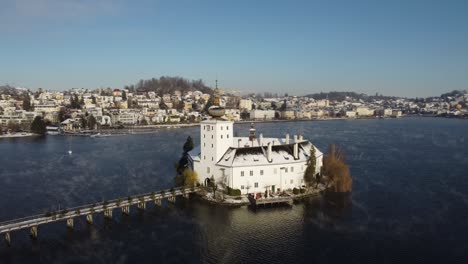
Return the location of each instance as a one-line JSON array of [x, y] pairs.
[[27, 103], [188, 146], [92, 122], [309, 174], [38, 126]]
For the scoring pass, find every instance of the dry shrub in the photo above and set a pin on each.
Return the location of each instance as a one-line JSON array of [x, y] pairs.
[[336, 170]]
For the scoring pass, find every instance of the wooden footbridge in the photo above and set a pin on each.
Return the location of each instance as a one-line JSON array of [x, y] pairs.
[[107, 207]]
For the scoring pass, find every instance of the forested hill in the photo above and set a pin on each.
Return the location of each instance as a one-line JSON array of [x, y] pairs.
[[167, 85], [12, 91], [340, 96]]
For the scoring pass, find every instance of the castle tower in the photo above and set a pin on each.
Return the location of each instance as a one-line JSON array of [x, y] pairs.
[[216, 137]]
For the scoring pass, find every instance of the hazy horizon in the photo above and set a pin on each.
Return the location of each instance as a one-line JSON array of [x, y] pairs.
[[396, 48]]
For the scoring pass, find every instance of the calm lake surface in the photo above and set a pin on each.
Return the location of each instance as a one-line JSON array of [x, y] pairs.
[[409, 200]]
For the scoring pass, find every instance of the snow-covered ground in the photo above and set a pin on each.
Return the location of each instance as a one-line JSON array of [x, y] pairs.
[[16, 135]]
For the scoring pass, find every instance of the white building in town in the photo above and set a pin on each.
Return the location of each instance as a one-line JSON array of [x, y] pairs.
[[250, 164]]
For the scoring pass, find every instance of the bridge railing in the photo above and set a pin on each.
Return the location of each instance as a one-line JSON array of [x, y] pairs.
[[122, 200]]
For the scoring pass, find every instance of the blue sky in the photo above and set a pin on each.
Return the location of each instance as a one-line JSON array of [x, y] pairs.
[[408, 48]]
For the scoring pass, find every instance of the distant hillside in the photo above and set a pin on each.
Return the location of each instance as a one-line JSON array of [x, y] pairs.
[[340, 96], [12, 91], [167, 85], [454, 93]]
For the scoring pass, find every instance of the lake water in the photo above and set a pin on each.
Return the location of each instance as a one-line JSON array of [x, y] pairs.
[[409, 200]]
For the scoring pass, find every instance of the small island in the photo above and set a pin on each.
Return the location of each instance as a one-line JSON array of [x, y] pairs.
[[258, 170]]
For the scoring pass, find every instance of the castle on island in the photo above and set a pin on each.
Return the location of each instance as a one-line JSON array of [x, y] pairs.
[[251, 164]]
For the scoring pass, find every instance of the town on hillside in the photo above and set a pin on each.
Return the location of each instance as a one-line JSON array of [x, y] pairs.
[[174, 100]]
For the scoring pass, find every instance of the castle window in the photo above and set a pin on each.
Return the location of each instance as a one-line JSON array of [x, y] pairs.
[[211, 158], [204, 136], [212, 127], [227, 135], [256, 185], [227, 127], [211, 136], [292, 169], [211, 145], [242, 187], [221, 127], [292, 181], [251, 173], [242, 173], [207, 169], [261, 172], [204, 157], [221, 136], [204, 144]]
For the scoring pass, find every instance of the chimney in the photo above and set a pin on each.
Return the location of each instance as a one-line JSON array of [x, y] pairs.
[[269, 152], [260, 139], [296, 151], [301, 138], [287, 139], [295, 138]]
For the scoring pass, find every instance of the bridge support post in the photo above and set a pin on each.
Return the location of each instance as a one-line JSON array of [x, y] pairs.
[[34, 232], [171, 199], [7, 238], [89, 219], [141, 205], [108, 213], [70, 223], [157, 202], [126, 209]]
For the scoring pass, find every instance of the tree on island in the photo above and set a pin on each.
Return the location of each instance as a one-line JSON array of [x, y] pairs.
[[190, 177], [309, 174], [188, 146], [38, 126], [336, 170]]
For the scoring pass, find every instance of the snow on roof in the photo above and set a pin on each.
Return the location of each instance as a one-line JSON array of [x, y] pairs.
[[195, 153], [257, 156]]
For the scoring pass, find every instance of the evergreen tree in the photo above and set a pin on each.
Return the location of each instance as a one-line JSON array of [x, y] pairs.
[[162, 105], [188, 146], [92, 122], [38, 126], [309, 174], [63, 114], [27, 103], [84, 122]]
